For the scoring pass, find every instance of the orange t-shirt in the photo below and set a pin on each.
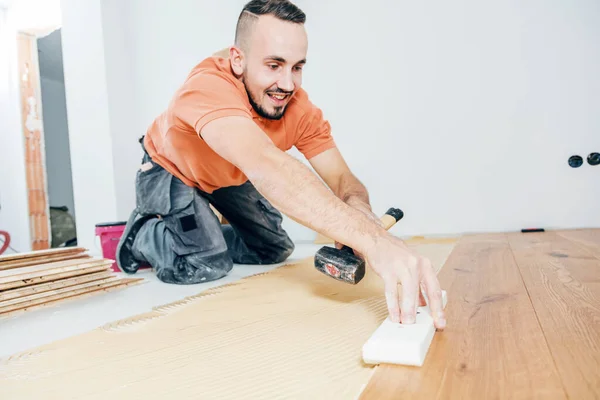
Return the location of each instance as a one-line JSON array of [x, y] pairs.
[[212, 91]]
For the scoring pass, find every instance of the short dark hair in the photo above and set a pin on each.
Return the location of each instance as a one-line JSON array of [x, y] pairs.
[[284, 10]]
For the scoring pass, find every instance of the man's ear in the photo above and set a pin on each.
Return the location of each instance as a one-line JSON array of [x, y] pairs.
[[237, 59]]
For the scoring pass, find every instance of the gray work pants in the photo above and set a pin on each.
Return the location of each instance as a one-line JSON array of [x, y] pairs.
[[178, 234]]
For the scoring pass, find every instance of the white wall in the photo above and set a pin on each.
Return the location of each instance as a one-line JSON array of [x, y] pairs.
[[463, 114], [56, 137], [88, 117], [469, 110], [13, 190], [147, 58], [122, 104]]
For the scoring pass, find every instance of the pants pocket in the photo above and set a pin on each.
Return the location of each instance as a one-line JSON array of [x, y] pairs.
[[187, 216], [195, 228], [153, 190]]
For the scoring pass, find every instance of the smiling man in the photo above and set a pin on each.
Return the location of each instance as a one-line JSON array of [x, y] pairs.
[[222, 141]]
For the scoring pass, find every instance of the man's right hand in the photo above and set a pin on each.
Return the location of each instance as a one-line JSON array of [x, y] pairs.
[[395, 263]]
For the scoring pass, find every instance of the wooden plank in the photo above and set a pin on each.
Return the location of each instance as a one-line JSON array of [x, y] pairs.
[[40, 253], [54, 292], [44, 287], [589, 239], [563, 280], [53, 277], [50, 269], [121, 284], [492, 347], [423, 240], [41, 260], [61, 293], [48, 266]]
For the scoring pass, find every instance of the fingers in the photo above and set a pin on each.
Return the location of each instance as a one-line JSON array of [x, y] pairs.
[[434, 294], [420, 287], [391, 297], [410, 294]]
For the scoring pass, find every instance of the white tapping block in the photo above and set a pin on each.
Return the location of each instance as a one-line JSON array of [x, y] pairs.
[[395, 343]]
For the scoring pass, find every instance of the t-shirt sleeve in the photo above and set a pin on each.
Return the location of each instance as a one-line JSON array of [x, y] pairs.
[[206, 97], [314, 134]]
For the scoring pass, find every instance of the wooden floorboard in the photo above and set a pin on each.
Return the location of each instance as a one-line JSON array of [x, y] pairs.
[[589, 239], [493, 346], [563, 280]]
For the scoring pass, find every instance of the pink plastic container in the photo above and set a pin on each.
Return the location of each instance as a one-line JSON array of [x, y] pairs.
[[110, 233]]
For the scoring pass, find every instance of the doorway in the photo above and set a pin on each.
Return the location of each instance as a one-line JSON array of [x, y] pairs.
[[56, 141]]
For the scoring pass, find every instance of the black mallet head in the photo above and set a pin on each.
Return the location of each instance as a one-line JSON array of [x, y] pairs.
[[342, 264]]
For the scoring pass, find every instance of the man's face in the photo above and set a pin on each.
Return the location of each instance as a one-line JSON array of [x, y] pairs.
[[273, 65]]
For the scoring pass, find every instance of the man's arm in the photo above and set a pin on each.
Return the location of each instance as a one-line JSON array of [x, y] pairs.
[[333, 169], [288, 184], [298, 193]]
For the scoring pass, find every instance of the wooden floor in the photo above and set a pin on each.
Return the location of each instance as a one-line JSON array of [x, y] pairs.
[[523, 319]]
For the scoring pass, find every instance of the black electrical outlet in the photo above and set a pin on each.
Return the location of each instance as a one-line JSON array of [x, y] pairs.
[[575, 161], [593, 159]]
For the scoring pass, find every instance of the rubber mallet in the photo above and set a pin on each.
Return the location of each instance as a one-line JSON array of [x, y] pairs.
[[342, 264]]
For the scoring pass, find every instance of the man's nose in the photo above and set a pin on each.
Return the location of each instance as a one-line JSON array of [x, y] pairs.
[[286, 82]]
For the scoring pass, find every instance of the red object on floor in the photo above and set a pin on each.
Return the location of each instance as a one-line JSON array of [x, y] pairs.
[[110, 233], [6, 237]]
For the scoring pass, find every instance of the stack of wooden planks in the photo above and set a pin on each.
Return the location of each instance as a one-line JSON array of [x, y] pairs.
[[43, 278]]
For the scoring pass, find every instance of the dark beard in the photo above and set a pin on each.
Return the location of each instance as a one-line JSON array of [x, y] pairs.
[[279, 111]]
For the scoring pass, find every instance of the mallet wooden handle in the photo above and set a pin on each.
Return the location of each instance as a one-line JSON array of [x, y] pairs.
[[388, 219]]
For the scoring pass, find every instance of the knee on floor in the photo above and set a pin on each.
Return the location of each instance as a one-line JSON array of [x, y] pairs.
[[195, 268]]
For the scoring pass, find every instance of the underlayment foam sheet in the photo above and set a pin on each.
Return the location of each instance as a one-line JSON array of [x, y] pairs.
[[290, 333]]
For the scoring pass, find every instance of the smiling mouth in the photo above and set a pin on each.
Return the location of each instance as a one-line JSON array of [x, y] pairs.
[[278, 97]]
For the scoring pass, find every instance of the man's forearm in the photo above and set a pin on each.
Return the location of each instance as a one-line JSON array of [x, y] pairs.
[[289, 185], [298, 193]]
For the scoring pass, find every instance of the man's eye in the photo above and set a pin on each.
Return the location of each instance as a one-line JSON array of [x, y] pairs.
[[273, 66]]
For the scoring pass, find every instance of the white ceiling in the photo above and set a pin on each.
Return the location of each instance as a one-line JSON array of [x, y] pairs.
[[50, 56]]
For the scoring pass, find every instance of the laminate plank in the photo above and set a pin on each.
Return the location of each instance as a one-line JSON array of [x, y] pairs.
[[49, 269], [44, 287], [563, 280], [54, 292], [589, 239], [492, 347], [74, 295], [53, 277], [68, 292], [6, 274], [40, 253], [26, 262]]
